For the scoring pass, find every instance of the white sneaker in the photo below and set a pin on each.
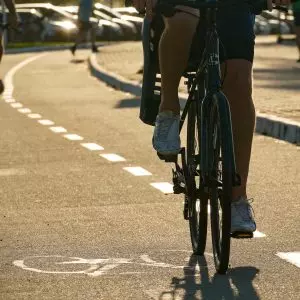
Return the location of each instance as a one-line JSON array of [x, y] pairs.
[[166, 140], [242, 220]]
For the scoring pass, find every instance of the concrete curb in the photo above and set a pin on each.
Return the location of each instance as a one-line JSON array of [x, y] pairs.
[[270, 125]]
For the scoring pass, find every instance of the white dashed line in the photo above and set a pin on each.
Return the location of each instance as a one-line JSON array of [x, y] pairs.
[[73, 137], [113, 157], [10, 100], [92, 146], [16, 105], [165, 187], [58, 129], [34, 116], [291, 257], [46, 122], [137, 171], [24, 110]]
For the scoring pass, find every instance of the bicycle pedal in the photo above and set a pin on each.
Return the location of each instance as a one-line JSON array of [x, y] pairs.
[[168, 158], [242, 235]]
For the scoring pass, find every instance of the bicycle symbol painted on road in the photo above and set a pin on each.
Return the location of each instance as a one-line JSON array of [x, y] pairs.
[[58, 264]]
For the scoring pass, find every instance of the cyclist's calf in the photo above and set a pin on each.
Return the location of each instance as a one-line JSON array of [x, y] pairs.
[[238, 89]]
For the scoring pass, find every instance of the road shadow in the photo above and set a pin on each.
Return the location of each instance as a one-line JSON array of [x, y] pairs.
[[128, 103], [284, 78], [236, 284], [77, 60]]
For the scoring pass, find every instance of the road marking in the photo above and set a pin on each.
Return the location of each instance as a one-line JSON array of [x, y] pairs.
[[73, 137], [137, 171], [258, 234], [34, 116], [165, 187], [16, 105], [10, 100], [8, 82], [11, 172], [92, 146], [24, 110], [291, 257], [113, 157], [46, 122], [58, 129]]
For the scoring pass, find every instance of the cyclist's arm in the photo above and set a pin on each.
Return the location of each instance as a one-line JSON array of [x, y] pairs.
[[10, 4], [13, 19]]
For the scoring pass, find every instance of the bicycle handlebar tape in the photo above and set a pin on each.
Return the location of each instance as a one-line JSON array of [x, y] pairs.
[[151, 90]]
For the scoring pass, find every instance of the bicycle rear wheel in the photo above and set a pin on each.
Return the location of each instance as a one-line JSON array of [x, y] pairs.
[[197, 208], [222, 170]]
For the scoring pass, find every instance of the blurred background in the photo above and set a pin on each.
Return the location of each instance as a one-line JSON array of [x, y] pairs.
[[55, 22]]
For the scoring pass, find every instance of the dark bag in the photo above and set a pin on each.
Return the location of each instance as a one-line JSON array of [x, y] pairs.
[[150, 99]]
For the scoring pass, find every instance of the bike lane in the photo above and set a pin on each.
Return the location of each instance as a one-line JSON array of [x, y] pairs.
[[66, 209]]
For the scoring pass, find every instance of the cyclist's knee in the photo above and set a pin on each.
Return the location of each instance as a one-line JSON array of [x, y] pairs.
[[238, 77]]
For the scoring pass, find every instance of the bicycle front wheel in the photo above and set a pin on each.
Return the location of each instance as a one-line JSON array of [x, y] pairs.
[[221, 174], [197, 206]]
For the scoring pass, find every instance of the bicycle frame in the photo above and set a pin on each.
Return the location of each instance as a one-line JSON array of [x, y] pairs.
[[208, 71]]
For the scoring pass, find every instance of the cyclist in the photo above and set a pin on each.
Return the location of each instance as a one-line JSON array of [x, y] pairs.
[[85, 11], [296, 11], [13, 21], [235, 28]]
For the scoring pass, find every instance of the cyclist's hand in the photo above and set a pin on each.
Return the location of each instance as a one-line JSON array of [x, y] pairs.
[[277, 2], [143, 6]]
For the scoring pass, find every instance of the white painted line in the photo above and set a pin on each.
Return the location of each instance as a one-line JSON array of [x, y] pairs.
[[258, 234], [58, 129], [10, 100], [16, 105], [113, 157], [34, 116], [24, 110], [46, 122], [92, 146], [165, 187], [137, 171], [8, 82], [73, 137], [291, 257]]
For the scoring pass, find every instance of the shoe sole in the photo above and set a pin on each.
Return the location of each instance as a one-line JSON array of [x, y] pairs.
[[242, 235]]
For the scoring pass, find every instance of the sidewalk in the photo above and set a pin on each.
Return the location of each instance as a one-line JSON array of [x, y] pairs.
[[276, 77]]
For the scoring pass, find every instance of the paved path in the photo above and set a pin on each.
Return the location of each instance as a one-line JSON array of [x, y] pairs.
[[276, 74], [76, 225]]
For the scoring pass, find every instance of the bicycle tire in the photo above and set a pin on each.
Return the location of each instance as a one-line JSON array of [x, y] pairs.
[[197, 208], [221, 176]]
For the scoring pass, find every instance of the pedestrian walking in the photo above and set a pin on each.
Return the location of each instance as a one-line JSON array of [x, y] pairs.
[[85, 11], [296, 11], [13, 21]]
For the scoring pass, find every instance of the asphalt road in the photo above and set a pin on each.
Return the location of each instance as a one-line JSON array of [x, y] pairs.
[[74, 225]]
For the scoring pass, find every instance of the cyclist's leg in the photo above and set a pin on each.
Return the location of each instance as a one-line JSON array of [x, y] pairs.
[[297, 30], [237, 36], [238, 89], [1, 54], [174, 51]]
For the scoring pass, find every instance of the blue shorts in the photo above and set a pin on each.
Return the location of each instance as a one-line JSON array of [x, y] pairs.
[[236, 33]]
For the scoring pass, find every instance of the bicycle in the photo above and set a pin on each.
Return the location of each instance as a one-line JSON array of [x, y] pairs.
[[208, 171]]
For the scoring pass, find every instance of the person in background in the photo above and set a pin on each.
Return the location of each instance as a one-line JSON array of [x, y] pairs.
[[85, 11], [13, 21], [296, 11]]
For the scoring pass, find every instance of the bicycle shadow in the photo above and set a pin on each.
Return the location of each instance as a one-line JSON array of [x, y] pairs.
[[236, 284]]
